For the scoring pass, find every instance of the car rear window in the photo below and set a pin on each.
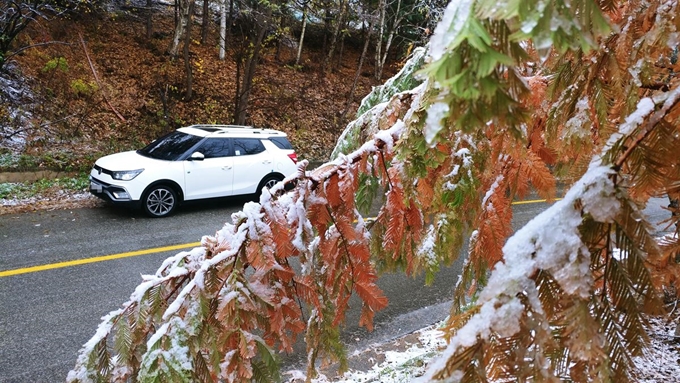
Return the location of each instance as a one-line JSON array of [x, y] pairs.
[[281, 142], [171, 146], [245, 146]]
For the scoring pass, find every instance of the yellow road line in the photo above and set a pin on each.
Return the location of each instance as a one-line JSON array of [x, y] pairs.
[[533, 201], [84, 261]]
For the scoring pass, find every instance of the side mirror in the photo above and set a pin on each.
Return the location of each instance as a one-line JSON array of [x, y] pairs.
[[196, 156]]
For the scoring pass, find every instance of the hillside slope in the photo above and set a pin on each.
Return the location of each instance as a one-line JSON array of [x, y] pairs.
[[95, 85]]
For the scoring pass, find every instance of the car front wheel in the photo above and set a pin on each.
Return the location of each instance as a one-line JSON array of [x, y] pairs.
[[159, 201]]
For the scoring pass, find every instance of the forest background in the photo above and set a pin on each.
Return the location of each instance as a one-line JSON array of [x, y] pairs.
[[84, 79]]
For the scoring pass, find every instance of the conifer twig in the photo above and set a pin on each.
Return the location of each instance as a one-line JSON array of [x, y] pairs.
[[387, 174], [607, 255], [673, 99]]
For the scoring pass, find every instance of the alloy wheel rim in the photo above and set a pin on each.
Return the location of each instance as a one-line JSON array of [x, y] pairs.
[[269, 184], [160, 202]]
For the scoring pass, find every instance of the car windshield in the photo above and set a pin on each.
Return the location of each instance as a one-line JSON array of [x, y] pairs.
[[171, 146]]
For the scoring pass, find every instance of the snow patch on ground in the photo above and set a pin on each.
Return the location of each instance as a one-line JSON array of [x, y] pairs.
[[16, 97], [53, 201], [661, 362], [401, 360]]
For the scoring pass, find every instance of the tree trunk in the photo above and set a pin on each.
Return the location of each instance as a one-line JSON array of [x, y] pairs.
[[206, 22], [149, 24], [250, 66], [187, 59], [279, 39], [384, 57], [358, 73], [185, 15], [378, 40], [223, 28], [302, 34], [230, 21], [334, 38], [176, 12], [237, 92], [341, 51], [326, 25], [395, 26]]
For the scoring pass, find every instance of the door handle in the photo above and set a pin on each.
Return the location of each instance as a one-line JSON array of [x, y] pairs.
[[267, 161], [226, 167]]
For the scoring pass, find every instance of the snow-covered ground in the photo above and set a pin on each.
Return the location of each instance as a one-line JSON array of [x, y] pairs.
[[661, 362], [15, 94], [49, 200]]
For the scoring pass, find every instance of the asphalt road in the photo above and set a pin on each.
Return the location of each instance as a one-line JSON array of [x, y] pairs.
[[47, 315]]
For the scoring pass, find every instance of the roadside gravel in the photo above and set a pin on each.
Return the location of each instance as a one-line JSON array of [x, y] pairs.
[[50, 200]]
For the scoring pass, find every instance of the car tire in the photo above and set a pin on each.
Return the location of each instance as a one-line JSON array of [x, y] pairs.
[[159, 201], [267, 182]]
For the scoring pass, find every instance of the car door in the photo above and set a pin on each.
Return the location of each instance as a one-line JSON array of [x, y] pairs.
[[213, 175], [252, 162]]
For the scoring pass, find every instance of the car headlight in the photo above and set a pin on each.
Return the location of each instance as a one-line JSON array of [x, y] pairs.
[[126, 175]]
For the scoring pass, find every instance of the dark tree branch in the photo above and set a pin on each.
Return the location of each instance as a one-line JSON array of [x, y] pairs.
[[16, 52]]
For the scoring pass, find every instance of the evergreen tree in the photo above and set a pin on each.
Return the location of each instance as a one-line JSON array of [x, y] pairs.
[[514, 95]]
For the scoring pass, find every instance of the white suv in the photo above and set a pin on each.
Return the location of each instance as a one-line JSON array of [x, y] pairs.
[[191, 163]]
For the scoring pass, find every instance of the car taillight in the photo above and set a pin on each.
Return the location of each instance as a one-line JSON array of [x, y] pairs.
[[293, 157]]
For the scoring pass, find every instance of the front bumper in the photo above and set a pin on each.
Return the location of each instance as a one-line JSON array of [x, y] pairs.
[[111, 193]]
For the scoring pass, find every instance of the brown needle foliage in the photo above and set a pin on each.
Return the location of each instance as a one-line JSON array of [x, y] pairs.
[[511, 103]]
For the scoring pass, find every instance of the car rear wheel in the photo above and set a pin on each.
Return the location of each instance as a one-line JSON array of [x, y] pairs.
[[159, 201]]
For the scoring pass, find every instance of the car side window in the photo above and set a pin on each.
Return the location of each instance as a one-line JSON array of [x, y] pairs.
[[215, 148], [247, 146]]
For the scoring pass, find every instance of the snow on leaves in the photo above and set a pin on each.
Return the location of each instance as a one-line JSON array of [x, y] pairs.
[[559, 289], [218, 311]]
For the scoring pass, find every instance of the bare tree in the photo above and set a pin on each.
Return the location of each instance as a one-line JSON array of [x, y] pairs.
[[185, 16], [223, 28], [149, 18], [15, 16], [305, 10], [382, 9], [187, 58], [205, 21], [262, 22], [226, 18], [342, 10], [350, 96], [398, 17]]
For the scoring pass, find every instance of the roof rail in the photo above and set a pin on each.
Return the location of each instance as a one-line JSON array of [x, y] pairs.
[[219, 126], [217, 129]]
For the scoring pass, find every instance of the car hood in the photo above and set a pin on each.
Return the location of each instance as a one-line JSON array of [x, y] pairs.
[[128, 161]]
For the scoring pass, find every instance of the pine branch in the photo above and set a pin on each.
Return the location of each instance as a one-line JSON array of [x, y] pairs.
[[672, 98]]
